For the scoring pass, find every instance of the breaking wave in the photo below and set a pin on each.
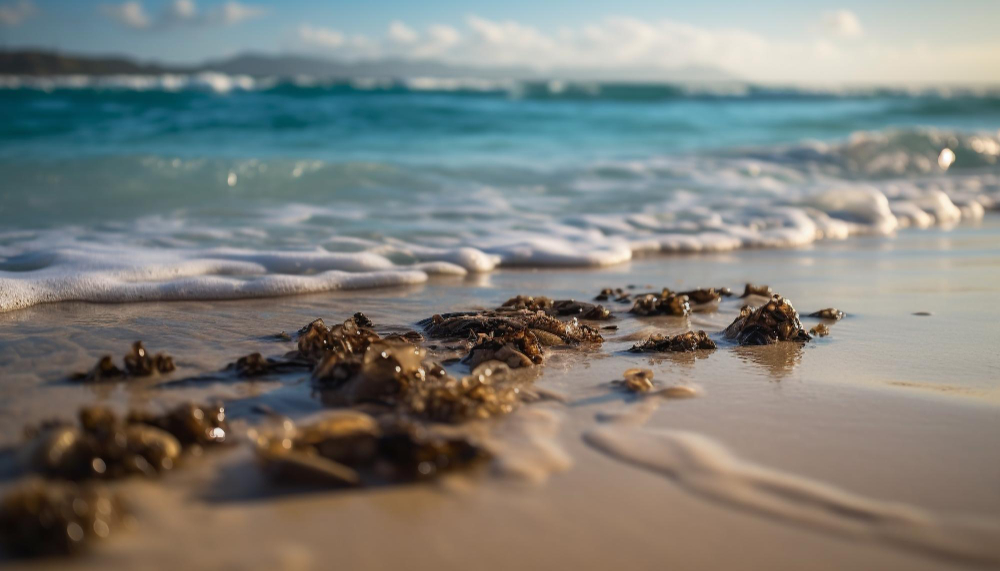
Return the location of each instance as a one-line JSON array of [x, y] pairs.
[[555, 89], [219, 228]]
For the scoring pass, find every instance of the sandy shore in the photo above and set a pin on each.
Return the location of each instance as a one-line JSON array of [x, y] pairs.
[[872, 448]]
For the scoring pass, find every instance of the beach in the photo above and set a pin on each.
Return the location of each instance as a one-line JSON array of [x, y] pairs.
[[644, 285], [870, 448], [464, 403]]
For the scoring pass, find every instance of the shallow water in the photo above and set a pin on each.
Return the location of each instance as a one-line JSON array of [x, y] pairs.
[[128, 191]]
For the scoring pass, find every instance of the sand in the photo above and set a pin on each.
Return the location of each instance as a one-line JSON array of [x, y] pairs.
[[872, 448]]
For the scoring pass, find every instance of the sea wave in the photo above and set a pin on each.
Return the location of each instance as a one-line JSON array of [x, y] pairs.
[[555, 89], [208, 229]]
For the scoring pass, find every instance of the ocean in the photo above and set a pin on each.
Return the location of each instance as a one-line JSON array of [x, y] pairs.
[[211, 186]]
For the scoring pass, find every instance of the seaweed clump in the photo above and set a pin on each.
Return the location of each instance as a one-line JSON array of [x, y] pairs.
[[351, 448], [316, 341], [664, 303], [758, 290], [546, 328], [616, 294], [396, 376], [256, 365], [829, 313], [774, 321], [137, 363], [820, 330], [489, 391], [516, 348], [702, 296], [104, 446], [252, 365], [690, 341], [637, 380], [56, 518], [557, 308], [190, 423]]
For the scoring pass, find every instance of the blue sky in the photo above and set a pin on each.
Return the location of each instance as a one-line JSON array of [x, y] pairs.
[[811, 41]]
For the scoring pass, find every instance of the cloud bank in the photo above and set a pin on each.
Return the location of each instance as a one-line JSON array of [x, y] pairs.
[[14, 13], [840, 52], [133, 15], [842, 23]]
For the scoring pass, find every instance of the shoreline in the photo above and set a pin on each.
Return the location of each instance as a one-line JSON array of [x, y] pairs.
[[819, 412], [230, 274]]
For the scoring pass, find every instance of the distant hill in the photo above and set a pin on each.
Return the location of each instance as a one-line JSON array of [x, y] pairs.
[[41, 63], [51, 63]]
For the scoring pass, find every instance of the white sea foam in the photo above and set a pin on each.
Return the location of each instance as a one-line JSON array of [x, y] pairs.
[[411, 224], [115, 276], [205, 81], [223, 83]]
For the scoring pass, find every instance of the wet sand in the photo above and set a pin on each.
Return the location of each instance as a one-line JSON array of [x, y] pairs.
[[896, 413]]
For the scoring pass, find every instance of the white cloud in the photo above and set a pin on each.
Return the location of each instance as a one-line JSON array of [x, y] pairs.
[[443, 35], [132, 14], [234, 13], [618, 44], [321, 37], [14, 13], [611, 43], [842, 24], [401, 33], [128, 14], [181, 10]]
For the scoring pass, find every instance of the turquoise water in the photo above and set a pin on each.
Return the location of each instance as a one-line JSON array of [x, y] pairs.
[[526, 126], [152, 188]]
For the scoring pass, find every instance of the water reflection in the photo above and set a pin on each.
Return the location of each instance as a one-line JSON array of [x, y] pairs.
[[683, 358], [779, 359]]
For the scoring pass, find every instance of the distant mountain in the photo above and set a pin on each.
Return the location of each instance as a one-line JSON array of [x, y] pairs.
[[51, 63]]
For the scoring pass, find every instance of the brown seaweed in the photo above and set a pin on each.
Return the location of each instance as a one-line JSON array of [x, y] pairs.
[[100, 447], [352, 337], [557, 308], [397, 376], [702, 296], [637, 380], [190, 423], [41, 518], [615, 294], [820, 330], [758, 290], [105, 446], [256, 365], [690, 341], [548, 329], [351, 448], [774, 321], [515, 348], [137, 363], [829, 313], [490, 390], [664, 303]]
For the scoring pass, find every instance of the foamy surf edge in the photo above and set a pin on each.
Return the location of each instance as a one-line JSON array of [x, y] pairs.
[[596, 215], [105, 274], [121, 287]]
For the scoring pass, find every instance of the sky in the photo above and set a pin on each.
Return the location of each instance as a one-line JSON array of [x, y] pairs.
[[771, 41]]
